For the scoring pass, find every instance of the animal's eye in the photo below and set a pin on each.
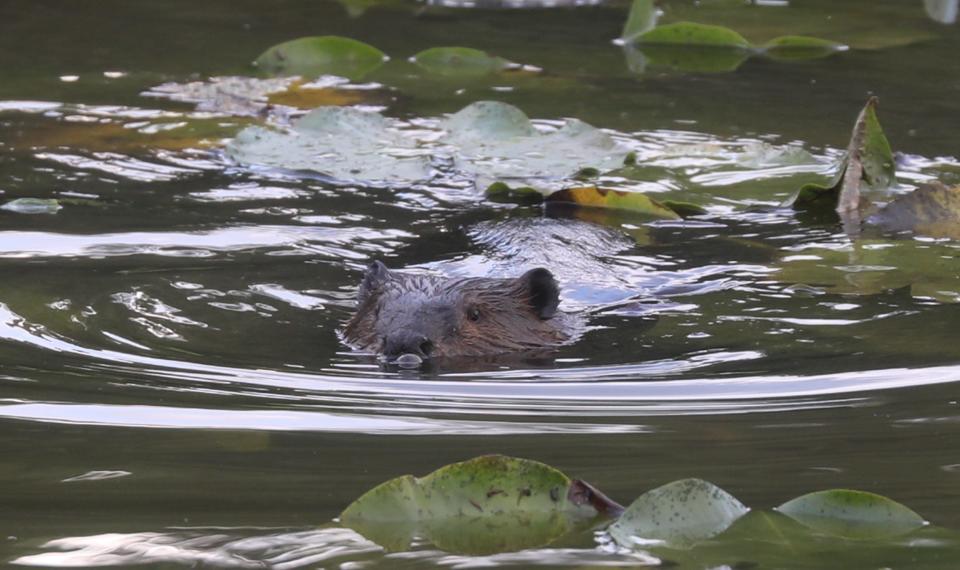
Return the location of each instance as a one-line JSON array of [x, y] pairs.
[[473, 314]]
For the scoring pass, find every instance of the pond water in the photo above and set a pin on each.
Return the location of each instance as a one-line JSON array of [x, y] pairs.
[[172, 387]]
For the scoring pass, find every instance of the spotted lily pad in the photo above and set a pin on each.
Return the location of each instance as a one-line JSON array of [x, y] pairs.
[[852, 514], [487, 504], [321, 55], [677, 515]]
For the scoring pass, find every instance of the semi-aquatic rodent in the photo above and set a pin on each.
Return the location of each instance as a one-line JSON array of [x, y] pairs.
[[408, 318]]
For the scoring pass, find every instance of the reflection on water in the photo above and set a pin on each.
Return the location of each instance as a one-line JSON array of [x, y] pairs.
[[172, 388], [219, 549]]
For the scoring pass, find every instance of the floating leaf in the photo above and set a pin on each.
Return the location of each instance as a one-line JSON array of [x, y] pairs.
[[340, 142], [691, 59], [852, 514], [495, 141], [693, 34], [801, 47], [487, 504], [32, 206], [885, 25], [486, 141], [500, 192], [321, 55], [868, 160], [595, 197], [134, 135], [484, 119], [642, 18], [460, 61], [677, 515], [931, 210]]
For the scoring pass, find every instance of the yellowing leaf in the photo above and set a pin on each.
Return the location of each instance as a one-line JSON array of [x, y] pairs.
[[594, 197]]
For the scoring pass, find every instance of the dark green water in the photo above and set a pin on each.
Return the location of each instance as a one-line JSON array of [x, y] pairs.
[[174, 325]]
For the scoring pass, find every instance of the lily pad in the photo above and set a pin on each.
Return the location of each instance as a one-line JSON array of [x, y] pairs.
[[801, 47], [595, 197], [691, 59], [32, 206], [852, 514], [486, 142], [500, 192], [341, 142], [868, 164], [495, 141], [693, 34], [487, 504], [321, 55], [460, 61], [677, 515]]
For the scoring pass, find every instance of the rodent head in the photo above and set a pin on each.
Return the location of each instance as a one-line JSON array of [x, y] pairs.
[[428, 316]]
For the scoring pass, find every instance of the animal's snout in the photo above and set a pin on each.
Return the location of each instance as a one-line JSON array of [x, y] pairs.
[[406, 342]]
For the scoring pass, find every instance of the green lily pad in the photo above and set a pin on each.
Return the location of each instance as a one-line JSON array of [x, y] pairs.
[[931, 210], [595, 197], [321, 55], [868, 164], [487, 504], [460, 61], [852, 514], [690, 59], [677, 515], [501, 192], [693, 34], [32, 206], [801, 47], [884, 26]]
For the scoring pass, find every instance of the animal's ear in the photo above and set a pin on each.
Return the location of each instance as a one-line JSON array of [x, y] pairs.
[[373, 278], [542, 291]]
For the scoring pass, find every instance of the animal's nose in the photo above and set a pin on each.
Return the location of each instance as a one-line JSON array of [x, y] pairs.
[[405, 342]]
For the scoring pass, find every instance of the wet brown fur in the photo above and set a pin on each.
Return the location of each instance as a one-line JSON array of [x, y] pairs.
[[459, 316]]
